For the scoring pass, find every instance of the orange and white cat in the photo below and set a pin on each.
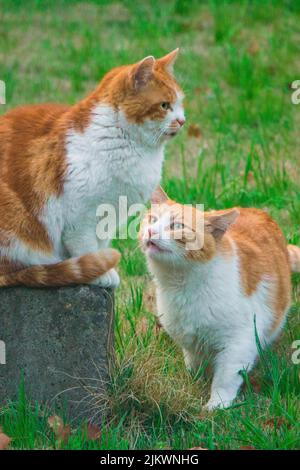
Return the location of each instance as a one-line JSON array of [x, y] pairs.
[[59, 163], [210, 297]]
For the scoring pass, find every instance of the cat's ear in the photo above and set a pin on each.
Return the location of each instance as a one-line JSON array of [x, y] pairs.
[[217, 224], [169, 60], [143, 72], [159, 196]]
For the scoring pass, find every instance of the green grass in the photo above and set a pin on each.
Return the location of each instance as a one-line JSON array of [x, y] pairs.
[[237, 61]]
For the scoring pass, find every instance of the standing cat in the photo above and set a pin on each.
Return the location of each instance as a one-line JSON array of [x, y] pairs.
[[58, 163], [209, 297]]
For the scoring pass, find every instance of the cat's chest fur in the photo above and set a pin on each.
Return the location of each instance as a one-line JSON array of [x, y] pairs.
[[106, 162], [208, 305]]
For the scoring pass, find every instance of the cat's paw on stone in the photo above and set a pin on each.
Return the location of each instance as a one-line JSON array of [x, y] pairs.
[[110, 279]]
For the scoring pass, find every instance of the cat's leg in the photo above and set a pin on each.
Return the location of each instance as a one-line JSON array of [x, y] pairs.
[[81, 242], [239, 354], [192, 360]]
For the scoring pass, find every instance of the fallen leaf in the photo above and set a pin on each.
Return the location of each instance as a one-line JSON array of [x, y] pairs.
[[93, 432], [198, 90], [205, 91], [62, 432], [247, 448], [55, 423], [254, 47], [275, 422], [270, 423], [4, 440], [194, 131], [255, 384]]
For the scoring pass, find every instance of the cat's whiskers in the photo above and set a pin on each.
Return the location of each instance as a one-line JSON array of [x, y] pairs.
[[158, 133]]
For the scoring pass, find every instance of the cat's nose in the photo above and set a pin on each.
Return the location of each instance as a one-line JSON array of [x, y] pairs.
[[151, 232], [181, 121]]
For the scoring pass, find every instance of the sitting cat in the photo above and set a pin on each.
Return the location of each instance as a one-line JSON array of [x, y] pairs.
[[58, 163], [217, 274]]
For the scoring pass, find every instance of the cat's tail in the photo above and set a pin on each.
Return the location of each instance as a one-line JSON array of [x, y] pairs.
[[294, 256], [82, 270]]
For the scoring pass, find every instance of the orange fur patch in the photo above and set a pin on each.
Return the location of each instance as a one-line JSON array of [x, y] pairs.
[[263, 253], [117, 90]]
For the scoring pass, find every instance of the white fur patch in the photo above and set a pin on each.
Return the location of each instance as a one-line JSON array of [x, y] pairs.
[[111, 158]]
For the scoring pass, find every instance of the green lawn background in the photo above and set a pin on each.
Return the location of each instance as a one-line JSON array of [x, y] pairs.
[[240, 147]]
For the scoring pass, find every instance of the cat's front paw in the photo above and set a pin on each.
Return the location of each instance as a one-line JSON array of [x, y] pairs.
[[217, 403], [212, 405], [110, 279]]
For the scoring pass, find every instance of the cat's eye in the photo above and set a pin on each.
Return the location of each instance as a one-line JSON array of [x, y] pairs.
[[153, 219], [165, 105], [176, 226]]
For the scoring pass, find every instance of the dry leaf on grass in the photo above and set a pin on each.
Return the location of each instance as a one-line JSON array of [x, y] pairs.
[[255, 384], [93, 432], [62, 432], [205, 91], [4, 440], [194, 131], [246, 448], [254, 47], [276, 422]]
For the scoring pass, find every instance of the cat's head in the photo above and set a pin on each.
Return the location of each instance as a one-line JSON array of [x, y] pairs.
[[173, 233], [148, 97]]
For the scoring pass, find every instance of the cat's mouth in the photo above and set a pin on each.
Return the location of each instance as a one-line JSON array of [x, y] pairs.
[[153, 247], [171, 134]]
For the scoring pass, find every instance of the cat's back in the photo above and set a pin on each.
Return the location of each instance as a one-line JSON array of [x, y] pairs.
[[32, 152], [25, 123], [36, 114], [258, 235], [263, 257]]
